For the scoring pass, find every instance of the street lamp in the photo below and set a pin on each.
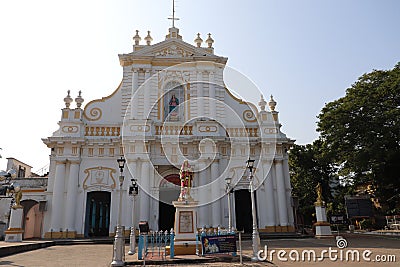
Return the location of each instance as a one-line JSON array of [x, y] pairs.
[[255, 235], [119, 242], [229, 191], [133, 191]]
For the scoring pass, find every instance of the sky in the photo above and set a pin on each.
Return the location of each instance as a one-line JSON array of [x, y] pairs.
[[305, 53]]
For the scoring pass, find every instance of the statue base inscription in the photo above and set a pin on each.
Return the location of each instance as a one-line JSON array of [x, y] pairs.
[[185, 227]]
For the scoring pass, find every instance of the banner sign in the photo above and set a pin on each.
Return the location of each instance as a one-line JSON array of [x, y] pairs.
[[338, 219], [212, 244]]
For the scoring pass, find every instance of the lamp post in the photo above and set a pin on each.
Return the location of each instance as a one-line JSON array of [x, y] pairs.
[[255, 235], [229, 191], [119, 242], [133, 190]]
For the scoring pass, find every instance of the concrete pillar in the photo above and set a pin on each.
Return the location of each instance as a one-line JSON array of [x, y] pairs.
[[280, 187], [135, 86], [57, 209], [132, 207], [269, 191], [211, 100], [146, 101], [203, 210], [71, 196], [144, 193], [288, 187], [215, 193], [200, 95]]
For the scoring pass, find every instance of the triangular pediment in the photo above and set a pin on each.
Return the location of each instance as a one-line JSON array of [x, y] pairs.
[[172, 48]]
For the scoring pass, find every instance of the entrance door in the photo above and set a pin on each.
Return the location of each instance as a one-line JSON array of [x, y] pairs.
[[98, 214], [169, 191], [244, 219]]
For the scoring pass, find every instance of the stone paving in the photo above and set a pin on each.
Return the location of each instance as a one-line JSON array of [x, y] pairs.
[[101, 254]]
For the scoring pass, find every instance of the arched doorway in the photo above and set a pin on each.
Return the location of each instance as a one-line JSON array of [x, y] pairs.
[[33, 219], [169, 191], [244, 218], [97, 214]]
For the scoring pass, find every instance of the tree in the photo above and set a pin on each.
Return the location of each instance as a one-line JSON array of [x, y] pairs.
[[362, 132], [310, 165]]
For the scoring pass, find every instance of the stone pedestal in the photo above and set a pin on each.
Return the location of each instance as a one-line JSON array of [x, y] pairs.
[[185, 227], [322, 226], [14, 231]]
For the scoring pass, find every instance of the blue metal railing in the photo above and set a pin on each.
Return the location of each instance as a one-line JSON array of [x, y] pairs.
[[155, 243]]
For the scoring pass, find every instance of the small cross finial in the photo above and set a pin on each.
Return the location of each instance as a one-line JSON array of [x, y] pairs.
[[173, 14]]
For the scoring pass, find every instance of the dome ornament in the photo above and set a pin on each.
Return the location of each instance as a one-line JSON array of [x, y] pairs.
[[272, 103], [262, 103], [209, 41], [68, 100], [137, 38], [79, 100], [148, 38], [198, 40]]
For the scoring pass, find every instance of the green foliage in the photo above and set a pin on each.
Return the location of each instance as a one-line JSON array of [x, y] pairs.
[[366, 224], [361, 133], [359, 142], [309, 166]]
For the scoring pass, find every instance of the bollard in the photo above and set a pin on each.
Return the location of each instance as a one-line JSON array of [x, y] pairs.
[[171, 244], [140, 248]]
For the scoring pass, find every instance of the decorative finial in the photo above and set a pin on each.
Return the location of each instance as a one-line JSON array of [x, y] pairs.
[[68, 100], [148, 38], [79, 100], [272, 103], [209, 41], [137, 38], [262, 103], [198, 40]]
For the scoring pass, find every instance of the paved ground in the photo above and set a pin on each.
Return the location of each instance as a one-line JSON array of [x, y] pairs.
[[101, 254]]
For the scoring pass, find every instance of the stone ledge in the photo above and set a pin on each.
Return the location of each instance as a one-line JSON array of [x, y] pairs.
[[21, 247]]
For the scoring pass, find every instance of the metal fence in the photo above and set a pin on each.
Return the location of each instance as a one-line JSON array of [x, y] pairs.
[[154, 244]]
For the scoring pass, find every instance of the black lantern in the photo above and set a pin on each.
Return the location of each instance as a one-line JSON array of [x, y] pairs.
[[134, 188], [250, 164], [121, 163]]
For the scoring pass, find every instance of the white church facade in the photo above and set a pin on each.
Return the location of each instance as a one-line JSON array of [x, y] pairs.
[[171, 105]]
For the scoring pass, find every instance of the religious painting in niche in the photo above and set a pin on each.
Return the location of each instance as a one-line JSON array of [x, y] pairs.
[[173, 101]]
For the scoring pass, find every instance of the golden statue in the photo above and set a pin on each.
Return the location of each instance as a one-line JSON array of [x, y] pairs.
[[16, 191], [320, 200]]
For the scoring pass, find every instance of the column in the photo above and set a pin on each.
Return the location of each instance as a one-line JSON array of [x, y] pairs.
[[133, 170], [200, 99], [215, 194], [135, 86], [269, 191], [203, 214], [72, 195], [288, 187], [58, 197], [144, 193], [147, 89], [280, 187], [153, 202], [212, 100]]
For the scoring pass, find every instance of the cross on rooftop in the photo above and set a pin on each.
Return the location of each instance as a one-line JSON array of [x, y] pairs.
[[173, 14]]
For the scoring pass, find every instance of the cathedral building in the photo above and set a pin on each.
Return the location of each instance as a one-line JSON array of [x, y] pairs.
[[171, 105]]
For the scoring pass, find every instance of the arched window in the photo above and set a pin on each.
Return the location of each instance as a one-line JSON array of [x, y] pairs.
[[174, 101]]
